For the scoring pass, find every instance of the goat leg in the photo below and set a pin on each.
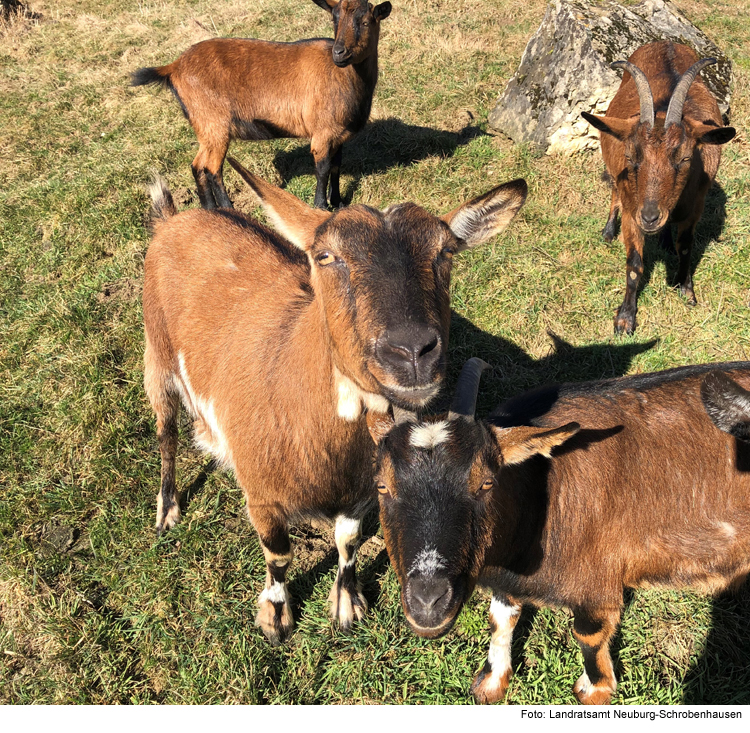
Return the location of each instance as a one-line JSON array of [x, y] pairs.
[[216, 181], [334, 195], [346, 599], [166, 404], [684, 247], [610, 228], [323, 155], [633, 237], [491, 684], [274, 609], [593, 630]]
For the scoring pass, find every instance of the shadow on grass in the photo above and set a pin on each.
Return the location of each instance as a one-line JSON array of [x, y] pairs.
[[197, 484], [515, 371], [382, 145], [721, 676]]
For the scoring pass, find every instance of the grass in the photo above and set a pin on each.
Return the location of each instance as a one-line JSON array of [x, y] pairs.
[[93, 609]]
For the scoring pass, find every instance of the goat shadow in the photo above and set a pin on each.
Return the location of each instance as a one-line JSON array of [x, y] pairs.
[[383, 144], [708, 230], [721, 675]]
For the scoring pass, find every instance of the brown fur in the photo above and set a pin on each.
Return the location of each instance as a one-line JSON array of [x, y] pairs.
[[640, 490], [278, 348], [247, 89], [675, 167]]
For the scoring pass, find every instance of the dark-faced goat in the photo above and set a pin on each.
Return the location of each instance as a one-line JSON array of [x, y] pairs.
[[660, 143], [565, 496], [278, 345], [245, 89]]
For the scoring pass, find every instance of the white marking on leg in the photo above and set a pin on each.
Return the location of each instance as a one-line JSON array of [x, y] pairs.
[[275, 594], [343, 609], [429, 435], [428, 562], [347, 533], [498, 656]]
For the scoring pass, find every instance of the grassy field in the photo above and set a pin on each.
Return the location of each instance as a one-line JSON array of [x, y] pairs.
[[94, 609]]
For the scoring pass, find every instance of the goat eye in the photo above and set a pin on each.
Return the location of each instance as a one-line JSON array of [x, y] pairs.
[[487, 485], [325, 258], [448, 252], [382, 489]]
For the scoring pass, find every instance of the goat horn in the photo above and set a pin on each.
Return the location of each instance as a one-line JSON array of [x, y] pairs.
[[674, 111], [465, 400], [643, 88]]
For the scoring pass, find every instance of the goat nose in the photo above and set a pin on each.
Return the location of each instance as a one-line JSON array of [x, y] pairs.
[[650, 215], [429, 599], [339, 51], [413, 349]]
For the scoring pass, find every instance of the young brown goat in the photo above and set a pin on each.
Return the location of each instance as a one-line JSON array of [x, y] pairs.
[[565, 496], [661, 151], [277, 345], [245, 89]]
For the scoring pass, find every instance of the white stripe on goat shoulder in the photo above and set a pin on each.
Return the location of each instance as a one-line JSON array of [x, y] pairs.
[[428, 562], [207, 432], [429, 435]]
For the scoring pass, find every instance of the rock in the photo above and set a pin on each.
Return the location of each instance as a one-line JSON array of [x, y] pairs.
[[565, 69]]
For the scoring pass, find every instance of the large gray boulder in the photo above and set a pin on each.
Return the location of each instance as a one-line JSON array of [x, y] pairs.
[[565, 69]]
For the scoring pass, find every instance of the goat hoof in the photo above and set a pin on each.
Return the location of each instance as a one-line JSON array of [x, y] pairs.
[[589, 694], [624, 324], [608, 233], [488, 688], [275, 620], [689, 295], [167, 519], [346, 606]]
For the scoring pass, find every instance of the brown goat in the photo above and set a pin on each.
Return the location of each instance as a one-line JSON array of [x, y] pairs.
[[277, 345], [662, 133], [565, 496], [245, 89]]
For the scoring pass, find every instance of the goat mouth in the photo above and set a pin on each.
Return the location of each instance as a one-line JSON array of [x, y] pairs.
[[433, 632], [343, 63], [411, 397]]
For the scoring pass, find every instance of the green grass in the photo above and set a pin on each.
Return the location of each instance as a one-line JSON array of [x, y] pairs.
[[93, 608]]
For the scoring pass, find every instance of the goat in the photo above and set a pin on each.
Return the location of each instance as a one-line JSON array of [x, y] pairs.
[[660, 144], [276, 344], [246, 89], [565, 496]]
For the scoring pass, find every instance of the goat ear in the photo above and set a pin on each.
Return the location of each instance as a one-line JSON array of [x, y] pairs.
[[291, 218], [382, 11], [485, 216], [727, 404], [709, 134], [518, 444], [328, 5], [611, 125], [379, 424]]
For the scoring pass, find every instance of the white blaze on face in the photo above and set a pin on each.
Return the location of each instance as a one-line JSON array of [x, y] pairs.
[[429, 435], [428, 562]]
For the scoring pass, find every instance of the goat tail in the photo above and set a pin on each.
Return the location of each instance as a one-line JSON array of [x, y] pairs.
[[162, 203], [151, 75]]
